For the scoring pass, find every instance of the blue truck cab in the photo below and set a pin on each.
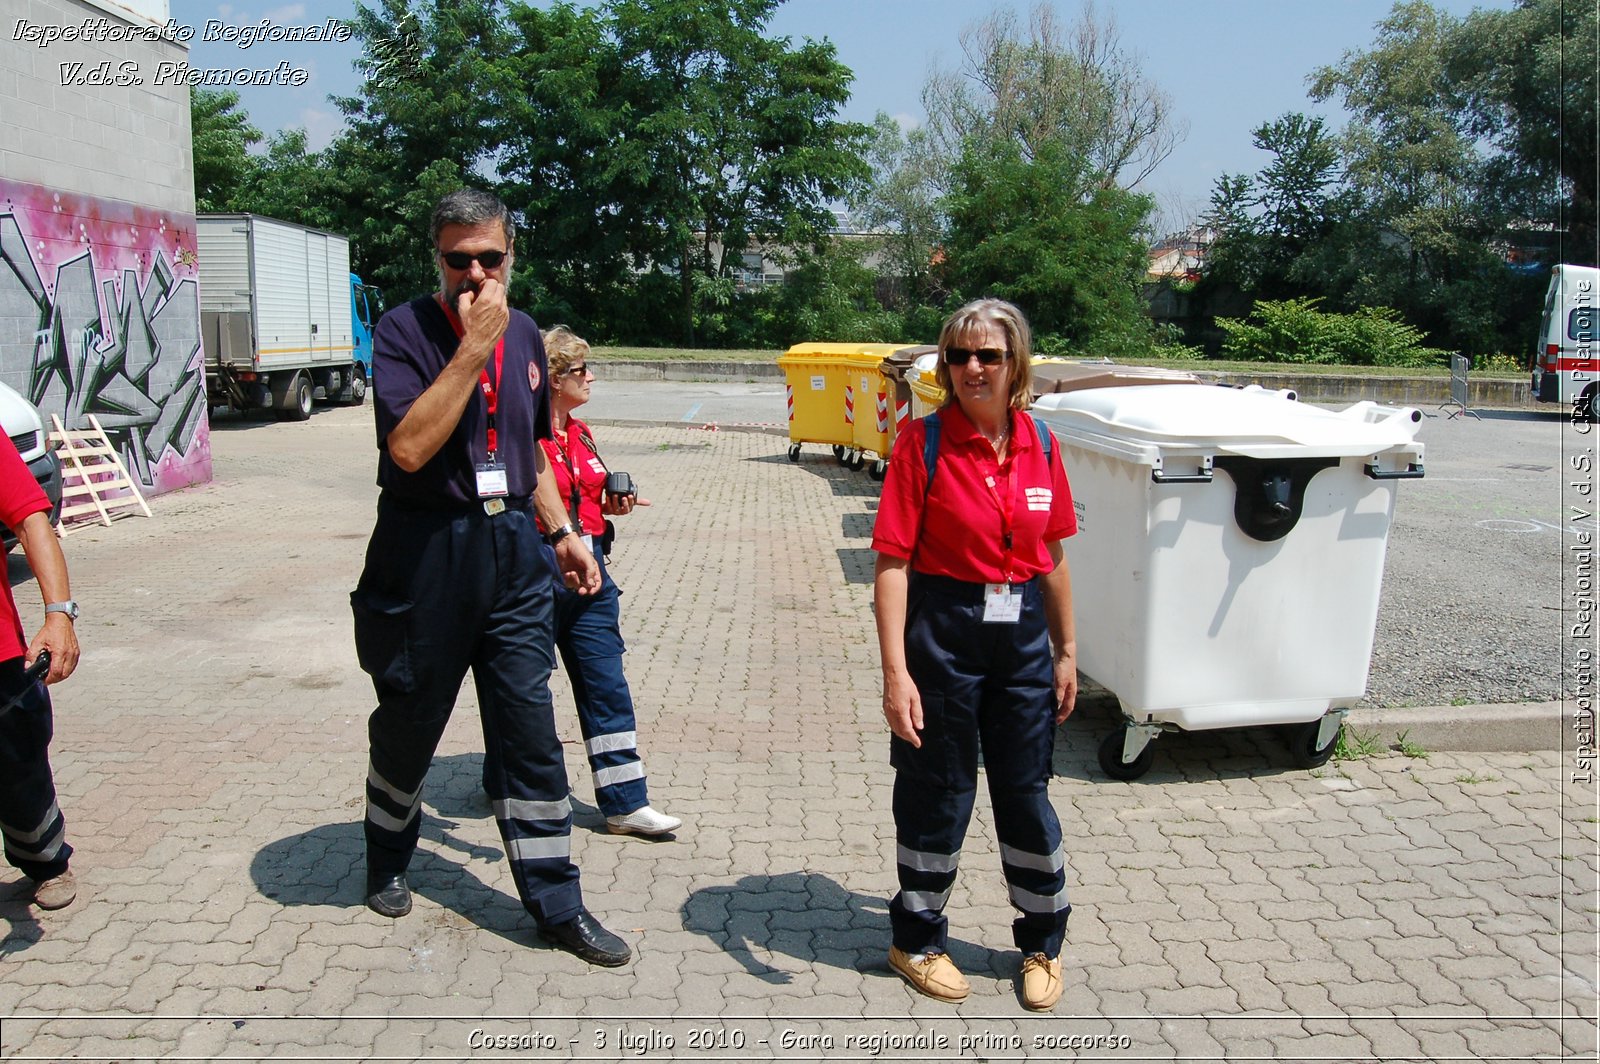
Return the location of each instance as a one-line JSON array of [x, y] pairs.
[[366, 306]]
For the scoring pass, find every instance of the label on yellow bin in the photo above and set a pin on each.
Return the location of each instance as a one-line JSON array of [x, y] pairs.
[[819, 384]]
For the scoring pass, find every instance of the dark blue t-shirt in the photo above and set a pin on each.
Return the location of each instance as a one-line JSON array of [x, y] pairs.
[[410, 348]]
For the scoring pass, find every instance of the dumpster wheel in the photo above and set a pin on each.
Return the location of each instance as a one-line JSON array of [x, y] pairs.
[[878, 469], [1111, 762], [839, 453], [794, 452], [856, 460], [1307, 748]]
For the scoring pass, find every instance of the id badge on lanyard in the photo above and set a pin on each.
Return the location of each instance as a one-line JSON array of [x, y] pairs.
[[1002, 604]]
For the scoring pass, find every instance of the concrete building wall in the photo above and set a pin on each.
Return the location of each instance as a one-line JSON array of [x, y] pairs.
[[99, 306]]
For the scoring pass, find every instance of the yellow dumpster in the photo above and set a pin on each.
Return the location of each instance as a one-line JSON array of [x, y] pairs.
[[821, 382], [815, 378], [867, 407]]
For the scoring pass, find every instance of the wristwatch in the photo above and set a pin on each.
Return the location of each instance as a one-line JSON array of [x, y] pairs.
[[69, 607], [559, 534]]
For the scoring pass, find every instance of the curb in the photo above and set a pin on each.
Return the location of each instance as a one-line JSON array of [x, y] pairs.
[[1505, 727]]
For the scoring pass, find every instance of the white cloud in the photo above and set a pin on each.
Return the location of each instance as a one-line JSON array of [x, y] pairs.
[[907, 122], [321, 126]]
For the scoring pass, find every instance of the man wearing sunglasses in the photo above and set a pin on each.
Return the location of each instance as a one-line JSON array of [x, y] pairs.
[[457, 576]]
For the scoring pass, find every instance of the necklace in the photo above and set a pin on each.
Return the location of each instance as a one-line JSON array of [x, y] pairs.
[[998, 440]]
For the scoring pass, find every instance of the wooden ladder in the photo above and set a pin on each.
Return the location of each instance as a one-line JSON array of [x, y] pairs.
[[91, 470]]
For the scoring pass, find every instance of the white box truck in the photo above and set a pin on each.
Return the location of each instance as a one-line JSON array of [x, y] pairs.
[[1567, 365], [283, 320]]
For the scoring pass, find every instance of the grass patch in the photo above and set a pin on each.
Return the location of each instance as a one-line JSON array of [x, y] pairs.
[[1353, 745], [1403, 743], [1472, 777]]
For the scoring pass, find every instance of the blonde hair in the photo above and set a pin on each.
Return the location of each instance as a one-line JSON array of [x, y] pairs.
[[563, 347], [1019, 341]]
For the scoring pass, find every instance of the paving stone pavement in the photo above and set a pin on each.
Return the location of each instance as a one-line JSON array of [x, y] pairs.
[[210, 754]]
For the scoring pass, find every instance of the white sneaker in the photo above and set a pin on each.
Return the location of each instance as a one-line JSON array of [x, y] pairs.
[[643, 821]]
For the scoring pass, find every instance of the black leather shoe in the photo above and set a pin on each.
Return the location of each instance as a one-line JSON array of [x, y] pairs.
[[390, 896], [584, 936]]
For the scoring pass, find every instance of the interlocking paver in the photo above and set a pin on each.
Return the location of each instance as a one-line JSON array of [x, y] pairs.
[[211, 749]]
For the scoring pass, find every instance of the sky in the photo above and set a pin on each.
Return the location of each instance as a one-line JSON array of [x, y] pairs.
[[1229, 65]]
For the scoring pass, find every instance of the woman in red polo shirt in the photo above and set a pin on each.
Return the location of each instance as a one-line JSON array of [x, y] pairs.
[[588, 631], [971, 593]]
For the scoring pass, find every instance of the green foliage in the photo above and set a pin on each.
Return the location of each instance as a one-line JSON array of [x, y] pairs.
[[1294, 330], [1073, 264], [830, 295], [222, 136]]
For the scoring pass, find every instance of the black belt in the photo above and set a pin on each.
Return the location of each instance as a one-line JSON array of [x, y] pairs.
[[451, 506], [962, 590]]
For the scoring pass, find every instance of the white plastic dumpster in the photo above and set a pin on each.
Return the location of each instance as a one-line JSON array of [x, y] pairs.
[[1229, 556]]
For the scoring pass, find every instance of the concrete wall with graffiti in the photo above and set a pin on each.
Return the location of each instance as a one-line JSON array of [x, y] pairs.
[[100, 314]]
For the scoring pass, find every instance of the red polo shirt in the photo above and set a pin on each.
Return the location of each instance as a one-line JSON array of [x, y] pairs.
[[569, 455], [973, 501], [20, 497]]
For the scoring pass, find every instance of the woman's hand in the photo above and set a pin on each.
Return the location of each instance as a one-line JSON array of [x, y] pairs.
[[1066, 681], [902, 706], [618, 505]]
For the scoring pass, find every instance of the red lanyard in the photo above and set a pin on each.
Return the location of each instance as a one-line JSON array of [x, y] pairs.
[[490, 388], [1006, 503]]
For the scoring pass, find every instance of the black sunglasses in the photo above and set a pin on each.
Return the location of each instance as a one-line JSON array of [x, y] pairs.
[[462, 260], [987, 356], [578, 370]]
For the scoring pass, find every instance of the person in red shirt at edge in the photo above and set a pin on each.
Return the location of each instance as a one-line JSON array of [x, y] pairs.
[[588, 627], [30, 820], [971, 591]]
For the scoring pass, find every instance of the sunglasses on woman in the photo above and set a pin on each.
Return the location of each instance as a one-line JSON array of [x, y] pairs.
[[462, 260], [987, 356], [578, 371]]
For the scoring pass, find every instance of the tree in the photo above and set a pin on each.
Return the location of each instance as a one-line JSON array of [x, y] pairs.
[[1075, 87], [222, 136], [1018, 231], [735, 138], [900, 205], [418, 129], [1527, 78]]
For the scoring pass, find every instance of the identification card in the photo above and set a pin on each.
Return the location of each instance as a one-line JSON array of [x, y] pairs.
[[1002, 604], [492, 482]]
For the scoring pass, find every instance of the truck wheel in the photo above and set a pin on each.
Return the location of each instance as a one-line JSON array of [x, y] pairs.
[[1585, 409], [358, 386], [296, 402]]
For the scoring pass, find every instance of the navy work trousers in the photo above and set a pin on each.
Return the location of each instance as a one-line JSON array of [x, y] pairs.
[[30, 820], [989, 687], [444, 591], [589, 637]]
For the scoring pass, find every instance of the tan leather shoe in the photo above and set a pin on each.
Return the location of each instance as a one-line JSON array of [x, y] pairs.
[[933, 974], [1041, 982], [56, 892]]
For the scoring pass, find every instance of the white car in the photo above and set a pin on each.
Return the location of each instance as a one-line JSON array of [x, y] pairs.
[[22, 423]]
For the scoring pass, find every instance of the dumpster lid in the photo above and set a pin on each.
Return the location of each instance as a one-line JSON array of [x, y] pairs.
[[1058, 376], [1252, 422]]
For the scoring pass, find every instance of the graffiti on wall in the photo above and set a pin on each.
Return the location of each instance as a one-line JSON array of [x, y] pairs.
[[100, 314]]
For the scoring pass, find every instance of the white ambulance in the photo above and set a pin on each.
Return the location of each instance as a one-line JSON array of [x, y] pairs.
[[1568, 362]]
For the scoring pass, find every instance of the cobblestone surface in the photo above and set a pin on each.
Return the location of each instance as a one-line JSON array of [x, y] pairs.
[[211, 748]]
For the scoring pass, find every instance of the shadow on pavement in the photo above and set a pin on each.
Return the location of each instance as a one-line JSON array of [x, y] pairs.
[[1180, 757], [23, 930], [813, 919]]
